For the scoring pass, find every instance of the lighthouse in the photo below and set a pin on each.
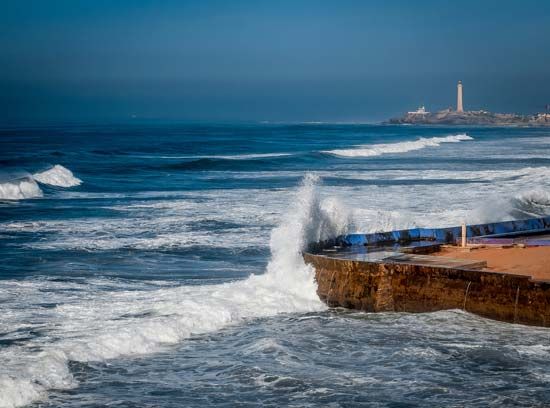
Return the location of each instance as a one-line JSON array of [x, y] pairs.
[[459, 107]]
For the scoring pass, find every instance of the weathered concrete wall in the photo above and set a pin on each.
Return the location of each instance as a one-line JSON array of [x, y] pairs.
[[376, 287]]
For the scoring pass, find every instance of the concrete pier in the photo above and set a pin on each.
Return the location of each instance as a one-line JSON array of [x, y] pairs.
[[380, 276]]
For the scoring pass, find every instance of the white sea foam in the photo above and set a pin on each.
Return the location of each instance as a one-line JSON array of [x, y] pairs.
[[98, 320], [57, 176], [248, 156], [241, 218], [26, 187], [311, 220], [400, 147], [87, 320], [542, 172], [166, 220], [19, 189]]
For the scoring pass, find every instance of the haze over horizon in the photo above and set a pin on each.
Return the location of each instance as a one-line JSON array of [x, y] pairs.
[[102, 61]]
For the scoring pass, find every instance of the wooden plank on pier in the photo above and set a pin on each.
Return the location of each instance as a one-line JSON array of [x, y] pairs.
[[436, 261]]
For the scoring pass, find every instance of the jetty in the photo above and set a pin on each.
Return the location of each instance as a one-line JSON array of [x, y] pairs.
[[498, 270]]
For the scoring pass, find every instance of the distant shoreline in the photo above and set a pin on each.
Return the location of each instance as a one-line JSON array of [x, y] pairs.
[[451, 117]]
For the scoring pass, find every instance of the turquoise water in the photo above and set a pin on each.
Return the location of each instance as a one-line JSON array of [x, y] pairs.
[[159, 265]]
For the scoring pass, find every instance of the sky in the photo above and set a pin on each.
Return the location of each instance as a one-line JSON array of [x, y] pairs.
[[285, 60]]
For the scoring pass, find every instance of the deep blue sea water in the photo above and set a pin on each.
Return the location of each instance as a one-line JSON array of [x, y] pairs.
[[159, 265]]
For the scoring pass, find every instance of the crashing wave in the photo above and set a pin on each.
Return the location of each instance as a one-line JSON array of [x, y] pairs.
[[171, 314], [528, 204], [311, 220], [57, 176], [25, 187], [19, 189], [531, 204], [399, 147]]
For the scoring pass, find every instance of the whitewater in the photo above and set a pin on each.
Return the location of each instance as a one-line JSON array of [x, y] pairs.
[[401, 147], [25, 186], [175, 313], [169, 273]]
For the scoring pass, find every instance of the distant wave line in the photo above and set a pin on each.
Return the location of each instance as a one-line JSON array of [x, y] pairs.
[[223, 157], [399, 147]]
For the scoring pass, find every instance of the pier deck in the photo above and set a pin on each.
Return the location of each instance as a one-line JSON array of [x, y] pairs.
[[529, 261]]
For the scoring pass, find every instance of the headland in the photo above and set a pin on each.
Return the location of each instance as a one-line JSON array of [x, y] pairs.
[[471, 118], [459, 116]]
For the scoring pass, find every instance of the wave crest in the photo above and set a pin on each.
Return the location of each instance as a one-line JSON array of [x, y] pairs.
[[25, 186], [400, 147], [20, 189], [309, 220], [57, 176], [527, 204]]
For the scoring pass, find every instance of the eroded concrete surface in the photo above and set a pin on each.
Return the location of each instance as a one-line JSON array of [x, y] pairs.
[[402, 287]]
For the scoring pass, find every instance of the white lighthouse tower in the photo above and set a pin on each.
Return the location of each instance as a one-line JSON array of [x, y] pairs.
[[459, 107]]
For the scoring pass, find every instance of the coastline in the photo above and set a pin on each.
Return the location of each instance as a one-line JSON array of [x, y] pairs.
[[485, 119]]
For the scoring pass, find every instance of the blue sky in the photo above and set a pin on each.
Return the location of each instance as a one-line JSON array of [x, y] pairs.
[[268, 60]]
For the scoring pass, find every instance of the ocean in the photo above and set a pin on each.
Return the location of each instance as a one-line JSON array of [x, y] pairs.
[[158, 265]]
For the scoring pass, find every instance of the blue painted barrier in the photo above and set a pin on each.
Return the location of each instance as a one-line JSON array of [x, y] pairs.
[[445, 235]]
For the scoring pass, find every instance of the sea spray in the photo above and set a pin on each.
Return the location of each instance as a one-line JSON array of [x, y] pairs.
[[523, 205], [308, 220], [529, 204], [93, 326]]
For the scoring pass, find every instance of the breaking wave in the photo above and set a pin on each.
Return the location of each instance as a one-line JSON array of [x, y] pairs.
[[20, 189], [57, 176], [528, 204], [400, 147], [310, 220], [25, 187], [90, 327]]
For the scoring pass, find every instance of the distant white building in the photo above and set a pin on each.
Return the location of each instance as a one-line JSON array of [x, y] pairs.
[[420, 111], [459, 107]]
